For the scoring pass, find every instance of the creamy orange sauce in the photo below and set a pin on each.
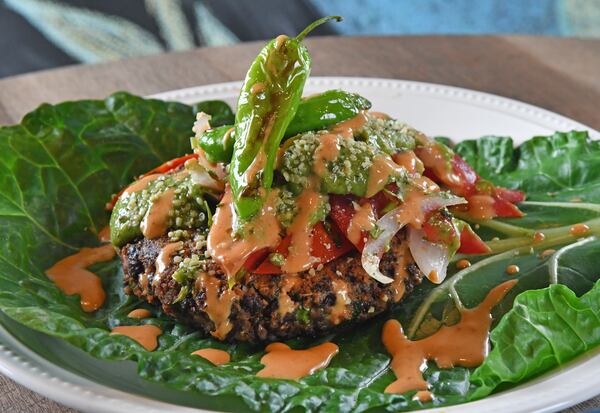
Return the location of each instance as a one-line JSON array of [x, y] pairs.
[[286, 304], [104, 234], [257, 88], [139, 313], [403, 258], [423, 396], [579, 230], [462, 264], [156, 220], [146, 335], [140, 184], [463, 344], [164, 257], [346, 128], [215, 356], [327, 150], [231, 252], [257, 165], [382, 168], [409, 161], [434, 159], [546, 253], [380, 115], [538, 237], [411, 211], [363, 220], [481, 207], [72, 277], [340, 311], [281, 362], [227, 136], [218, 306], [299, 257], [280, 41], [512, 269]]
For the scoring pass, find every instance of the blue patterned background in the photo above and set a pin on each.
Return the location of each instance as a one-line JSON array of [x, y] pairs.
[[51, 33]]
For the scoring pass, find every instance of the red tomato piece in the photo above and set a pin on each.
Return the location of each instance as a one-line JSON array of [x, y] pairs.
[[470, 243]]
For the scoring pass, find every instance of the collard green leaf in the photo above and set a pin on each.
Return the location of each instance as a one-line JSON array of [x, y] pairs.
[[561, 166], [544, 329]]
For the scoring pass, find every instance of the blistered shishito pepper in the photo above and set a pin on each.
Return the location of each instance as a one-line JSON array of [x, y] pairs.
[[314, 112], [267, 104]]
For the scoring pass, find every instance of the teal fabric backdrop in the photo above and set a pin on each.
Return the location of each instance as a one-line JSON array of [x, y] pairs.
[[52, 33]]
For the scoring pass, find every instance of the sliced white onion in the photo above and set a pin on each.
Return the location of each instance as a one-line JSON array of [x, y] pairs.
[[431, 258], [204, 180], [389, 225], [202, 124]]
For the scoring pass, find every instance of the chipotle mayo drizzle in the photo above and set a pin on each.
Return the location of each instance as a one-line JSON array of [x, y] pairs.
[[433, 158], [257, 88], [398, 286], [215, 356], [327, 150], [280, 41], [579, 230], [104, 234], [146, 335], [231, 252], [299, 258], [139, 313], [218, 306], [227, 136], [463, 344], [409, 161], [340, 310], [164, 257], [140, 184], [156, 220], [379, 172], [281, 362], [346, 128], [72, 277], [481, 207], [286, 304], [257, 165], [363, 220]]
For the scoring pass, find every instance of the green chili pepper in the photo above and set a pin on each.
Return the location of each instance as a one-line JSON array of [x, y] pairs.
[[220, 112], [217, 143], [325, 109], [268, 102], [314, 112]]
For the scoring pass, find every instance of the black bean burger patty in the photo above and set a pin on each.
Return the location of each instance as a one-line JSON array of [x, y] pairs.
[[262, 308]]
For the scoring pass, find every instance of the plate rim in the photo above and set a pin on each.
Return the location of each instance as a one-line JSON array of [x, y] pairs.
[[26, 367]]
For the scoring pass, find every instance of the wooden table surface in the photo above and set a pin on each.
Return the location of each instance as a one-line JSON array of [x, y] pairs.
[[558, 74]]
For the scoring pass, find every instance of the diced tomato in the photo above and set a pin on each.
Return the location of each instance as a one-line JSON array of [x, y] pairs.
[[172, 164], [467, 174], [162, 169], [470, 243], [510, 195], [342, 211], [323, 247], [255, 259], [505, 209]]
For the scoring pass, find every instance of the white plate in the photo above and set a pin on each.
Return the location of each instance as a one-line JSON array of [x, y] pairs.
[[436, 110]]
